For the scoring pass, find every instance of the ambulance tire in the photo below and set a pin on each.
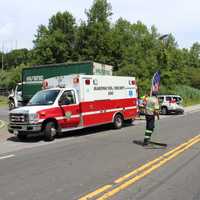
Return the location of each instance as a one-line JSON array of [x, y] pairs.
[[49, 131], [129, 121], [21, 137], [118, 121]]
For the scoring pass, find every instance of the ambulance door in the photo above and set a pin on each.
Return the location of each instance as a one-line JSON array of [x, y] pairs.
[[70, 109]]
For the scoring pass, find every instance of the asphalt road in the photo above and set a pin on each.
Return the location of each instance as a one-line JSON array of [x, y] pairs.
[[4, 113], [71, 167]]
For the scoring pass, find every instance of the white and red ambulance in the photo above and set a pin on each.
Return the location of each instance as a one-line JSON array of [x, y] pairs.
[[74, 102]]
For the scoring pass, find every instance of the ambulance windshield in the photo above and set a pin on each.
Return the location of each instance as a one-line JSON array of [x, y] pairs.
[[44, 97]]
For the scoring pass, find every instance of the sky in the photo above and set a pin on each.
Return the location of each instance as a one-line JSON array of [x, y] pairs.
[[19, 19]]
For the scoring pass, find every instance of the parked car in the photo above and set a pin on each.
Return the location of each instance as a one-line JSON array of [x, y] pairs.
[[170, 104]]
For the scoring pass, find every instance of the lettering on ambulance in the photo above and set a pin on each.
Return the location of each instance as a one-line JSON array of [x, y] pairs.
[[109, 89], [102, 110]]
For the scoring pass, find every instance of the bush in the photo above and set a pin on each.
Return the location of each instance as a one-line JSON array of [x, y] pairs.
[[190, 95], [11, 77], [3, 100]]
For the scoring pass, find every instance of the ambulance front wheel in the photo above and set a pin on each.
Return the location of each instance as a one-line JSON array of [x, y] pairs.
[[49, 131], [22, 137], [118, 121]]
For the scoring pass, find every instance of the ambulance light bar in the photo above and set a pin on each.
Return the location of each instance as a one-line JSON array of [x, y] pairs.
[[132, 82], [76, 80], [45, 84]]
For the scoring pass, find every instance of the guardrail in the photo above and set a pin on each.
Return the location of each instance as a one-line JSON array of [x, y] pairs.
[[4, 92]]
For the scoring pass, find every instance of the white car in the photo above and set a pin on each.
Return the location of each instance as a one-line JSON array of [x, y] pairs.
[[170, 104]]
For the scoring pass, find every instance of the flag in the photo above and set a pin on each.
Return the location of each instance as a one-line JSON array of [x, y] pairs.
[[155, 83]]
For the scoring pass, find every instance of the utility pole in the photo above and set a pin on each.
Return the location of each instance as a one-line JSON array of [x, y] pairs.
[[2, 61], [2, 56]]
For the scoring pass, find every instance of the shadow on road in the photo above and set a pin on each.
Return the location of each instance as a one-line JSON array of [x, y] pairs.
[[152, 145], [138, 142], [92, 130], [75, 133], [27, 140]]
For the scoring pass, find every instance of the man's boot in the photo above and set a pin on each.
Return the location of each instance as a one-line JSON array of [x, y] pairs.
[[146, 141]]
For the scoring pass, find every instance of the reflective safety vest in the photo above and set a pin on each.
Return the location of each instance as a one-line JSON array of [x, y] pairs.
[[152, 105]]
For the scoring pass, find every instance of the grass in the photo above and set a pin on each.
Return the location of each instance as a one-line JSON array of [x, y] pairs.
[[191, 96], [3, 101]]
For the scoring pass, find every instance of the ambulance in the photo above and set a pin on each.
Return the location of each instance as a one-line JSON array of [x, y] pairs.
[[74, 102]]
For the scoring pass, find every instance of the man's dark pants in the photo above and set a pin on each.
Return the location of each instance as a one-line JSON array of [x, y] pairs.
[[150, 123]]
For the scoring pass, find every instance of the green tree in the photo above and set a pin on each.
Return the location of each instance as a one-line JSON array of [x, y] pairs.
[[195, 55], [193, 75], [16, 57], [132, 48], [94, 36], [122, 39], [10, 77], [136, 47], [56, 42]]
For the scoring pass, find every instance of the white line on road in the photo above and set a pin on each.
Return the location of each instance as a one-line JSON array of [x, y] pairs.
[[2, 124], [8, 156], [194, 111]]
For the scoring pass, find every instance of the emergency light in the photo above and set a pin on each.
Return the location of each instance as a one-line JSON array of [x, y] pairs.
[[132, 82], [76, 80], [45, 84], [87, 81]]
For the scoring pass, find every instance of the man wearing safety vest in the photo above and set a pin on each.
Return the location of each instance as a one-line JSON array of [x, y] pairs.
[[151, 110]]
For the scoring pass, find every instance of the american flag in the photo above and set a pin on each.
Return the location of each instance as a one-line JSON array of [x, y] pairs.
[[155, 83]]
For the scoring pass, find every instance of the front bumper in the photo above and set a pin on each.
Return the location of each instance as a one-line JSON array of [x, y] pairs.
[[176, 110], [28, 129]]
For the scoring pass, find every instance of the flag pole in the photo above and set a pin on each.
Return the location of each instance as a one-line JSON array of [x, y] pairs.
[[152, 85]]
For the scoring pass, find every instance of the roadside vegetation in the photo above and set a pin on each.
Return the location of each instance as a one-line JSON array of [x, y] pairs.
[[190, 95], [132, 48], [3, 101]]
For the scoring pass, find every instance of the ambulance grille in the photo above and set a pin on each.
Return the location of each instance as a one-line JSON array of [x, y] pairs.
[[18, 118]]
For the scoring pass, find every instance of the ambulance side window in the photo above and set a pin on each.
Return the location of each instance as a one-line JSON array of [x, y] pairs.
[[68, 98]]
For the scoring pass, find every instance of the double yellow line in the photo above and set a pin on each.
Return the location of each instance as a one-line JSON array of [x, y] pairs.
[[129, 179]]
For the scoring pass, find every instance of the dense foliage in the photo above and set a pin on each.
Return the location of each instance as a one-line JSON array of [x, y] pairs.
[[190, 95], [133, 48]]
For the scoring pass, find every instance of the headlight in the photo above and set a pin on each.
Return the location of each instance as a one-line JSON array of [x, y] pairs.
[[33, 117]]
